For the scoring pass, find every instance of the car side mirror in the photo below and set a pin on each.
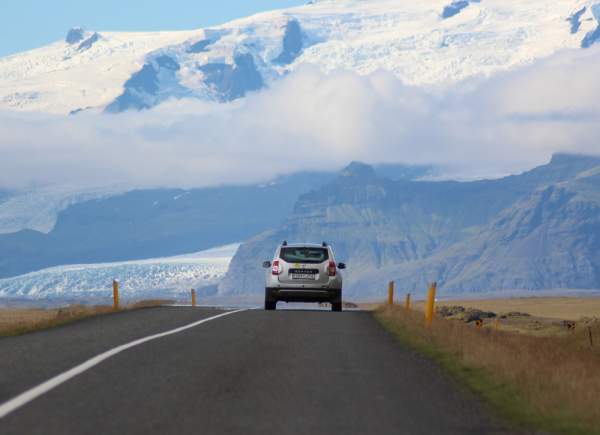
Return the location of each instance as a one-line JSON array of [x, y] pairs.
[[341, 265], [266, 264]]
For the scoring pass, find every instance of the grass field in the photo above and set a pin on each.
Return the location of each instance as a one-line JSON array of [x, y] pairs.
[[548, 382]]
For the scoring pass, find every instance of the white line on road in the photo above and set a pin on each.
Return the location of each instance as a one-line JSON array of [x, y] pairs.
[[35, 392]]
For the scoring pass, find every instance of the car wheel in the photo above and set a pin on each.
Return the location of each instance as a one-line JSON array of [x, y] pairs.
[[336, 306], [269, 306]]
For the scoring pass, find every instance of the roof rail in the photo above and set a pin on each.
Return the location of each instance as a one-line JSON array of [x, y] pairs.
[[284, 243]]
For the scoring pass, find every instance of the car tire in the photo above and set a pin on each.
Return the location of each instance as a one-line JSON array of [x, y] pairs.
[[336, 306], [270, 306]]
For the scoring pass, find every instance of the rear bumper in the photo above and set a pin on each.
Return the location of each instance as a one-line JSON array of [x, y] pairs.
[[303, 295]]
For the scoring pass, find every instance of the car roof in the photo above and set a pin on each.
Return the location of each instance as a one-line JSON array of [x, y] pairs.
[[303, 245]]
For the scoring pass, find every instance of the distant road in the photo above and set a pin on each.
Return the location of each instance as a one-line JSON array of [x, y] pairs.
[[251, 372]]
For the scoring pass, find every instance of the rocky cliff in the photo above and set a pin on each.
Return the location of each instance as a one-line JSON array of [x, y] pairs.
[[538, 230]]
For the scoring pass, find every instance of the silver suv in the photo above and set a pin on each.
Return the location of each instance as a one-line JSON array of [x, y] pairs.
[[303, 272]]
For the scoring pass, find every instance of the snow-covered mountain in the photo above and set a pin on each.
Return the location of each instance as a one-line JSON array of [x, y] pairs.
[[433, 43], [143, 278]]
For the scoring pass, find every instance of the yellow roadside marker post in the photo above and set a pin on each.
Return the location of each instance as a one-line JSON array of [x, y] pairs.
[[430, 304], [407, 302], [116, 294], [391, 293], [193, 298]]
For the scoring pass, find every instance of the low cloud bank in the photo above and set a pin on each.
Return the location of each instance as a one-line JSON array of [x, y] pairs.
[[315, 121]]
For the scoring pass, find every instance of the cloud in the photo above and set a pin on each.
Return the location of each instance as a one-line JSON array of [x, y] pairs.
[[311, 120]]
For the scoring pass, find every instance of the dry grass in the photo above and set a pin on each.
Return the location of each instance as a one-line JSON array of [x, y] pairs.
[[369, 306], [149, 303], [21, 321], [15, 321], [551, 383], [549, 307], [546, 316]]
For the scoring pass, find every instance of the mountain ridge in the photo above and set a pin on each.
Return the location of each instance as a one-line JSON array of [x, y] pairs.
[[125, 225], [465, 235]]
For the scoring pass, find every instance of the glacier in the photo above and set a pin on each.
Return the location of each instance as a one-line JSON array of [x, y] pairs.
[[163, 277], [38, 208], [430, 43]]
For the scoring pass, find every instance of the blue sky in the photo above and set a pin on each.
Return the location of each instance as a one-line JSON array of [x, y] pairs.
[[27, 24]]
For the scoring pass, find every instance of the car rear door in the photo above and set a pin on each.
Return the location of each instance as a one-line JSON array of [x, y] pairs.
[[304, 265]]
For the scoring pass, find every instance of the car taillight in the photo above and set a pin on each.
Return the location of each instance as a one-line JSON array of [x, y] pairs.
[[331, 269], [275, 270]]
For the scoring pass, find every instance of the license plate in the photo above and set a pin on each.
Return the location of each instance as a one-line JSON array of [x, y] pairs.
[[304, 276]]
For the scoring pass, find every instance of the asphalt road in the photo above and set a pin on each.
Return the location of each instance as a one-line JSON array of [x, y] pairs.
[[253, 372]]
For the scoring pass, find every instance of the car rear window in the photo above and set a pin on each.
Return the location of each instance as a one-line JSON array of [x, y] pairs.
[[304, 255]]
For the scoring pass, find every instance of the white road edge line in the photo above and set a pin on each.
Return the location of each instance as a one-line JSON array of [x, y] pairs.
[[35, 392]]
